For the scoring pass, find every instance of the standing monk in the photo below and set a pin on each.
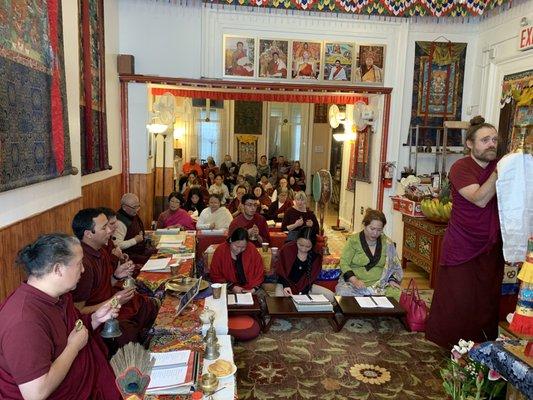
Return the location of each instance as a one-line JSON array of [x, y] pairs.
[[96, 285], [467, 297], [44, 351]]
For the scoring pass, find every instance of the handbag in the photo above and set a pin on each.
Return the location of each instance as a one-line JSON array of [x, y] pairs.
[[416, 308]]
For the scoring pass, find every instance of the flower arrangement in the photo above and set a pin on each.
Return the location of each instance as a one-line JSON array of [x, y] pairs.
[[466, 379]]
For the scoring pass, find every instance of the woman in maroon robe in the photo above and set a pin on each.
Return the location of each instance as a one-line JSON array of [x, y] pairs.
[[238, 263], [43, 351], [278, 208]]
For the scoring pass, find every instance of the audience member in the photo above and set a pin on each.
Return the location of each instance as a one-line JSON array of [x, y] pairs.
[[263, 168], [262, 198], [229, 170], [195, 202], [220, 188], [214, 216], [235, 207], [277, 208], [283, 184], [249, 170], [267, 186], [299, 176], [175, 217], [192, 165], [250, 220], [298, 217]]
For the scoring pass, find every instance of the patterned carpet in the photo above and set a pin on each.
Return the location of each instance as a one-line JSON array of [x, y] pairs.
[[369, 359]]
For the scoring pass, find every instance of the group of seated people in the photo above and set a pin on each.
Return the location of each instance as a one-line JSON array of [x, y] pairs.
[[50, 346]]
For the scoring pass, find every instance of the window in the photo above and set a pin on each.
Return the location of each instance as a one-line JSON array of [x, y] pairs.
[[208, 128]]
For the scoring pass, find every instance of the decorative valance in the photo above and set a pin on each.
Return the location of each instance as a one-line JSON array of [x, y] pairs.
[[386, 8]]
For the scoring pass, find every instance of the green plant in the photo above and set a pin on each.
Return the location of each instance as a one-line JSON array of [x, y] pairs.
[[466, 379]]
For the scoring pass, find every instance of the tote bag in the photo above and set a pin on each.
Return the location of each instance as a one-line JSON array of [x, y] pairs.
[[415, 307]]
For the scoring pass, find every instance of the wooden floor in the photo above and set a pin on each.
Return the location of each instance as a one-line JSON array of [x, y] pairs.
[[337, 239]]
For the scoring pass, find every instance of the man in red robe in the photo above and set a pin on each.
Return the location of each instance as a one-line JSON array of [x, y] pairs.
[[43, 351], [250, 220], [466, 300], [129, 234], [96, 285], [238, 263]]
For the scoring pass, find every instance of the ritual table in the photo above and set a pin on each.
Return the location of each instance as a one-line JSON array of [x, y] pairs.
[[283, 307], [351, 309]]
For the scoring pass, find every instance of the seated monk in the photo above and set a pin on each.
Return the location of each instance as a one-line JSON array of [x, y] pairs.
[[96, 285], [298, 267], [130, 230], [235, 207], [277, 209], [44, 354], [175, 216], [114, 252], [250, 220], [238, 263]]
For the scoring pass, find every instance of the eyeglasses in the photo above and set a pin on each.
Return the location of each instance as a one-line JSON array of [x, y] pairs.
[[135, 207]]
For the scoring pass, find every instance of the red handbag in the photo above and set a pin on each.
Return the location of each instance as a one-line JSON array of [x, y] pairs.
[[417, 309]]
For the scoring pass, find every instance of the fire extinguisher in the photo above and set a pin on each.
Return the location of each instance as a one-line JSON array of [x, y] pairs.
[[387, 173]]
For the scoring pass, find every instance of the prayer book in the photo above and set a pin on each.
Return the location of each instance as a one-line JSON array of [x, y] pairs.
[[167, 231], [157, 265], [174, 372], [213, 232], [240, 299], [373, 302], [171, 240], [309, 299]]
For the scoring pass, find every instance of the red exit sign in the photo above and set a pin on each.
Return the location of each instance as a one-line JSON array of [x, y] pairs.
[[525, 38]]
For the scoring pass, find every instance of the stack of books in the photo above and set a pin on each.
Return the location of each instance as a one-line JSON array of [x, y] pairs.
[[174, 372], [312, 303]]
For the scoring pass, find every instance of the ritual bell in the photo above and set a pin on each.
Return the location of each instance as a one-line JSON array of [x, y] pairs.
[[111, 329]]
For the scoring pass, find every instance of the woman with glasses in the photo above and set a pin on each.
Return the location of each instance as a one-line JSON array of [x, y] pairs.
[[175, 217]]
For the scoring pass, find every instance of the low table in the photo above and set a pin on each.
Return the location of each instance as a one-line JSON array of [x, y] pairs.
[[351, 309], [283, 307], [253, 310]]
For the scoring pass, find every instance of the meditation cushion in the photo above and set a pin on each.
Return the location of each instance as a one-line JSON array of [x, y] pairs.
[[243, 327]]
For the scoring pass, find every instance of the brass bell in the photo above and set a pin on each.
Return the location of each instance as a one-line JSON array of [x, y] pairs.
[[111, 329]]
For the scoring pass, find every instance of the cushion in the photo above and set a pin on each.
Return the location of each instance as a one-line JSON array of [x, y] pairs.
[[328, 284], [243, 327]]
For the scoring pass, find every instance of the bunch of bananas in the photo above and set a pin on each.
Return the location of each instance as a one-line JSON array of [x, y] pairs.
[[435, 210]]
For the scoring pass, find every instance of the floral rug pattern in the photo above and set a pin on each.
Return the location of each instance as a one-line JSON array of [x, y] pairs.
[[368, 359]]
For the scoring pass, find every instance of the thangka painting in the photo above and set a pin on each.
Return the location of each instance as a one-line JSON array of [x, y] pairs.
[[438, 89], [34, 136], [248, 117], [359, 170], [338, 61], [273, 58], [305, 60], [93, 126], [370, 64], [239, 53], [246, 148]]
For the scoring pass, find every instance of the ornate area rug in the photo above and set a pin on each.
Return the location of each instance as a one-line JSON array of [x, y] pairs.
[[369, 359]]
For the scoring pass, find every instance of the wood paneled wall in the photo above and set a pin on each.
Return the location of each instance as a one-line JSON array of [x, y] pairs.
[[14, 237], [105, 193], [57, 219]]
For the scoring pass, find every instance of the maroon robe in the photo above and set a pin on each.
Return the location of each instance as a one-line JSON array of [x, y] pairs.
[[284, 265], [274, 210], [34, 329], [94, 287], [140, 252], [223, 269], [466, 301], [292, 215], [242, 222]]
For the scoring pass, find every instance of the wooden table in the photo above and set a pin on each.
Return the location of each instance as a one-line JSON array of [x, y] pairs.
[[351, 309], [283, 307], [422, 243]]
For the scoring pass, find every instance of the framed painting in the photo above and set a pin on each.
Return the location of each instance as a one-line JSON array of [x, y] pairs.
[[306, 57], [248, 117], [273, 58], [370, 64], [239, 56], [246, 148], [338, 60], [359, 169]]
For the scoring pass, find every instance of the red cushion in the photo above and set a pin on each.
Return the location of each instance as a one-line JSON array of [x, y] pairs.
[[243, 327], [328, 284]]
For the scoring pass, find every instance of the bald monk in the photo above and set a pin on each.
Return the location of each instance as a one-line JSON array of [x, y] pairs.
[[44, 352], [98, 282], [129, 234]]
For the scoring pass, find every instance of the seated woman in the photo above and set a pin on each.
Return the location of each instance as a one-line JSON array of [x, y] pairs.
[[298, 267], [192, 181], [195, 202], [283, 183], [369, 262], [175, 217], [235, 207], [241, 181], [47, 348], [298, 217], [263, 168], [262, 198], [299, 176], [238, 263], [214, 216], [267, 186], [220, 188], [277, 208]]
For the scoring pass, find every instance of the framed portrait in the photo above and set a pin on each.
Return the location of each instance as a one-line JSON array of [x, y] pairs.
[[306, 59], [338, 60], [359, 168], [370, 64], [239, 56], [273, 58]]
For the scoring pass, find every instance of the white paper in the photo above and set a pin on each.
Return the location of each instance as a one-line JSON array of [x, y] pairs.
[[171, 358], [158, 264], [167, 377], [310, 299], [382, 302], [365, 302], [242, 299], [172, 239]]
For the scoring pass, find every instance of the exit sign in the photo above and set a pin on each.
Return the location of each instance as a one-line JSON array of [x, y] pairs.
[[525, 38]]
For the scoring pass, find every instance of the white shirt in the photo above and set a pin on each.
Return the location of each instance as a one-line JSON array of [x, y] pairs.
[[221, 218], [220, 190], [120, 234]]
